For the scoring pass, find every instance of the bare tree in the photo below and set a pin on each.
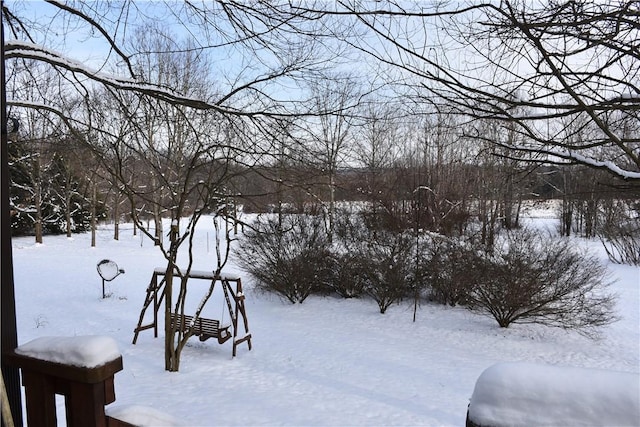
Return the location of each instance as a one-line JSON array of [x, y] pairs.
[[377, 147], [528, 65], [188, 154], [439, 181], [185, 155], [335, 98]]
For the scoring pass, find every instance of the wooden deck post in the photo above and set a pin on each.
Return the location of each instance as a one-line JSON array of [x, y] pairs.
[[86, 390]]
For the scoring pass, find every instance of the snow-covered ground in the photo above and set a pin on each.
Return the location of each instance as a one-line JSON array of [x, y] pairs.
[[328, 361]]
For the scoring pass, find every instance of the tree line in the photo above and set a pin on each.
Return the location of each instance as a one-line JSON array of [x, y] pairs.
[[60, 186]]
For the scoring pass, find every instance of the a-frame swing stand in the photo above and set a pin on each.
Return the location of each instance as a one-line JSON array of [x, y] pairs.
[[203, 328]]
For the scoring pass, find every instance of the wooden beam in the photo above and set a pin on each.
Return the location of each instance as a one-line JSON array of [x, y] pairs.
[[8, 333]]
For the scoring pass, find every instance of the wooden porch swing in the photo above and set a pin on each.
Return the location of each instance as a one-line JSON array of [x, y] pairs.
[[201, 327]]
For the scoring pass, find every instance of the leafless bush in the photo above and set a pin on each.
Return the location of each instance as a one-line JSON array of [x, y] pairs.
[[388, 267], [351, 229], [379, 261], [533, 279], [348, 279], [620, 232], [448, 269], [290, 258]]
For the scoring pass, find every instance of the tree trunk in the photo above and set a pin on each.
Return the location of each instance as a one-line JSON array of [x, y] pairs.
[[38, 205], [566, 217], [67, 213], [172, 355], [157, 218], [116, 216], [591, 217], [508, 220], [94, 196], [332, 204]]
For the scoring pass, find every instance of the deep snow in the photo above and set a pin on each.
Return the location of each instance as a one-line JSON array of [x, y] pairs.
[[529, 394], [84, 351], [328, 361]]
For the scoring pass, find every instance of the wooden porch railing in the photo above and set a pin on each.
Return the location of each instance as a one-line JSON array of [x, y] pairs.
[[86, 391]]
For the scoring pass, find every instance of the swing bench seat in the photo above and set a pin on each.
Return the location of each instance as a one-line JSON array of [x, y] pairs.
[[203, 328]]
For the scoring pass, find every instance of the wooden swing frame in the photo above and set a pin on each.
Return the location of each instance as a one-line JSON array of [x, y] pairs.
[[201, 327]]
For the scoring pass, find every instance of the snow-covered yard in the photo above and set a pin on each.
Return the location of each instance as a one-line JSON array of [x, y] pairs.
[[328, 361]]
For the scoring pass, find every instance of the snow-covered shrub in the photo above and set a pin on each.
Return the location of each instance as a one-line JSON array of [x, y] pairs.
[[530, 278], [290, 258], [351, 228], [348, 279], [351, 233], [374, 260], [620, 231], [388, 267], [447, 269]]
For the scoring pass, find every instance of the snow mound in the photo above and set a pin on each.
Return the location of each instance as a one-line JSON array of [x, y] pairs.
[[84, 351], [142, 416], [526, 394]]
